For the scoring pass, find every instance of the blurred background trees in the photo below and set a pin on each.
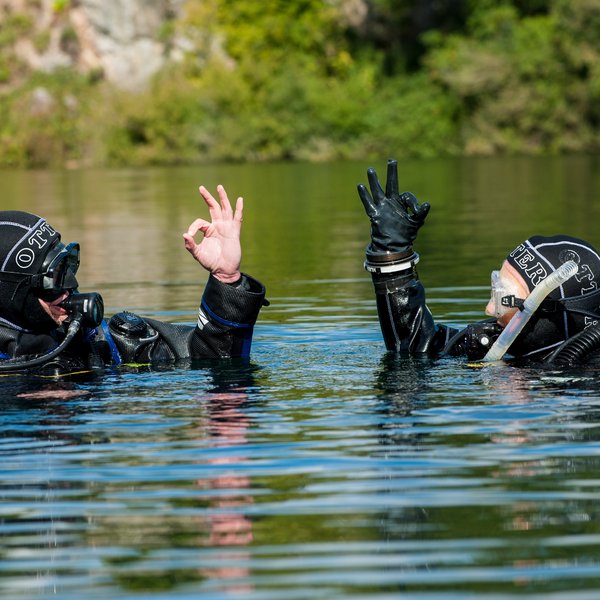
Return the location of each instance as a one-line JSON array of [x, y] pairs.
[[311, 80]]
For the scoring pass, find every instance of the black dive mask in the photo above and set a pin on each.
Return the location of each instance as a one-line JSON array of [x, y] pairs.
[[57, 274]]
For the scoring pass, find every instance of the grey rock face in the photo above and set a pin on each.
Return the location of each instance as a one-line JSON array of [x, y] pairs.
[[124, 36], [119, 38]]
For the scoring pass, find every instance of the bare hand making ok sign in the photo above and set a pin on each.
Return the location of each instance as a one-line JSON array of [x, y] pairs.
[[220, 251]]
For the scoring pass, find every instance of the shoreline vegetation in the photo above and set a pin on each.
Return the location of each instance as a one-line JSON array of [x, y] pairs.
[[306, 80]]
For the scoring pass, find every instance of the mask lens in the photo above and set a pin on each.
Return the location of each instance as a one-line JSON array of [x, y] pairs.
[[65, 261], [502, 289], [497, 293]]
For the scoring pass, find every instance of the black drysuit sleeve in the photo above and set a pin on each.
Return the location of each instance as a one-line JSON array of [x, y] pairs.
[[224, 329], [408, 326]]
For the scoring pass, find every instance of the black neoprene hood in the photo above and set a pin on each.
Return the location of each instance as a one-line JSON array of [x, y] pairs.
[[538, 256], [25, 240], [576, 300]]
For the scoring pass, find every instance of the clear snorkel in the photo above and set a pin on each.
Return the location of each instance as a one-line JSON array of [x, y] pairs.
[[530, 305]]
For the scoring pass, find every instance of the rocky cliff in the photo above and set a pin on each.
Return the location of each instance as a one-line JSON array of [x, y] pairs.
[[125, 41]]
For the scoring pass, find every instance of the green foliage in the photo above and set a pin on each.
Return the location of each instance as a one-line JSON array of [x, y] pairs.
[[167, 30], [60, 6], [14, 26], [396, 28], [293, 79], [69, 42], [163, 126], [4, 69], [41, 41], [412, 117], [272, 30], [511, 74], [47, 122]]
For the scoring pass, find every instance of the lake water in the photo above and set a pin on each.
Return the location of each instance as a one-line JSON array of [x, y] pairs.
[[324, 467]]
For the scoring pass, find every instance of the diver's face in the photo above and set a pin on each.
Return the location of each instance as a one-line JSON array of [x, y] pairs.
[[59, 269], [57, 313], [507, 282]]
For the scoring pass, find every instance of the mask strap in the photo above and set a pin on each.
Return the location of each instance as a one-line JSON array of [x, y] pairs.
[[14, 277], [586, 304], [584, 312], [512, 302], [24, 281]]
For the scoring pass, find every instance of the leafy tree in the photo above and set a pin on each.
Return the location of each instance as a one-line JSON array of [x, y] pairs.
[[513, 78], [299, 79]]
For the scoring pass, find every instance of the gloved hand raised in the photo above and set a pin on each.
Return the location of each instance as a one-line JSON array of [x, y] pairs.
[[395, 218]]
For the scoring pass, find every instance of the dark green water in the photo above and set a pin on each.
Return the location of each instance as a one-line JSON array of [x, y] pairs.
[[325, 468]]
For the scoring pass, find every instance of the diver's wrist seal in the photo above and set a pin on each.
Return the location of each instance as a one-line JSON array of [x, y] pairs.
[[390, 262]]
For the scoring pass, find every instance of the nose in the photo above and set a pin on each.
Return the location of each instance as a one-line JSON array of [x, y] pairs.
[[490, 309]]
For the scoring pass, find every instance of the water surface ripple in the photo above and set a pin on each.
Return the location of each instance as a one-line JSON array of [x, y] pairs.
[[322, 468]]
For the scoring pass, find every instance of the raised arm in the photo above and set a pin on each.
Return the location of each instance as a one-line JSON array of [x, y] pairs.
[[231, 300], [406, 323]]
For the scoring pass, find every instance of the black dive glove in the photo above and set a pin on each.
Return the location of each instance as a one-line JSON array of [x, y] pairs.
[[395, 218]]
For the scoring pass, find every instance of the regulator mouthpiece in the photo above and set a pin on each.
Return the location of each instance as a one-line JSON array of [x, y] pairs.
[[89, 306]]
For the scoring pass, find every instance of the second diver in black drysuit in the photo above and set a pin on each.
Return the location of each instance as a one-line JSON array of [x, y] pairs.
[[564, 330]]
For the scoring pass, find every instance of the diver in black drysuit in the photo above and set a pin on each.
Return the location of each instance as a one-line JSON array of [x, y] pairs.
[[564, 330], [46, 324]]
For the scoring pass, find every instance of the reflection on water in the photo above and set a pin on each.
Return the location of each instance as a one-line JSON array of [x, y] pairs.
[[324, 467]]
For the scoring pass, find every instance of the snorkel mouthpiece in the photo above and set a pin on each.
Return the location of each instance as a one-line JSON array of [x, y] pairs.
[[530, 305], [89, 306]]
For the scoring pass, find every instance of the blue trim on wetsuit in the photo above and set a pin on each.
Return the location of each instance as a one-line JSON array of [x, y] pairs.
[[114, 351], [245, 352], [89, 334], [218, 319]]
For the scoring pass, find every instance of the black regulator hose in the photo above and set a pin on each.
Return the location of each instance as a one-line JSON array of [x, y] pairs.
[[576, 348], [85, 309], [18, 364]]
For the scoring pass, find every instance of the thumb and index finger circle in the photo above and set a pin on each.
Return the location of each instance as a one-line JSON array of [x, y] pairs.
[[419, 211], [423, 210]]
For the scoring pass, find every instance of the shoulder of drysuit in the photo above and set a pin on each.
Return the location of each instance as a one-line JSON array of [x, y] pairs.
[[15, 342], [25, 345], [472, 341], [443, 334]]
